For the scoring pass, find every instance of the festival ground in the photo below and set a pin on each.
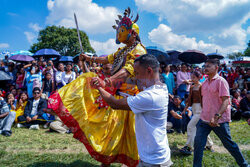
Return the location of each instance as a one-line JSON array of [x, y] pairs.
[[40, 148]]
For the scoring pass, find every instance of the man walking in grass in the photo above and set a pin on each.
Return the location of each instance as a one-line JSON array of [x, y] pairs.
[[215, 115]]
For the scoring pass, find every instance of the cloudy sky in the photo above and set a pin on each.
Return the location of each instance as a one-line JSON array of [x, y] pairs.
[[204, 25]]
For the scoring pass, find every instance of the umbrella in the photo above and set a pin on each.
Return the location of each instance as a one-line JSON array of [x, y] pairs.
[[21, 58], [215, 56], [66, 59], [192, 57], [4, 53], [22, 52], [4, 76], [174, 57], [161, 56], [48, 53]]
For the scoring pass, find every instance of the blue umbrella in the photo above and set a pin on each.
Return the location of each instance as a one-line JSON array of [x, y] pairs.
[[215, 56], [4, 76], [161, 55], [21, 58], [48, 53], [66, 59], [22, 52], [4, 53]]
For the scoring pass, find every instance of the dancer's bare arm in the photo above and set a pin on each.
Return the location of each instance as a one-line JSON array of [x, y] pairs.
[[112, 101]]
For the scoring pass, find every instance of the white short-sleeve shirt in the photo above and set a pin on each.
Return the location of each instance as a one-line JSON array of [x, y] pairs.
[[151, 107]]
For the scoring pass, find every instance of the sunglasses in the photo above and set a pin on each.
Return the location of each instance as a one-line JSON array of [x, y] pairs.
[[36, 92]]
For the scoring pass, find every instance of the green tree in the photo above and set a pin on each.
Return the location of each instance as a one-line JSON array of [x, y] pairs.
[[235, 55], [247, 51], [64, 40]]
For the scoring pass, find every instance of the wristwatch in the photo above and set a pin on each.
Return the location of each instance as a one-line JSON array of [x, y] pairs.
[[218, 115]]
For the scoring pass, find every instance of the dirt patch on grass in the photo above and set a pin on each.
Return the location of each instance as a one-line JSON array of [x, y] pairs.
[[74, 149], [221, 149]]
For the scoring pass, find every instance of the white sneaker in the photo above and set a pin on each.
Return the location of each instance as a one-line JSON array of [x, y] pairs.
[[20, 125], [35, 127], [45, 126]]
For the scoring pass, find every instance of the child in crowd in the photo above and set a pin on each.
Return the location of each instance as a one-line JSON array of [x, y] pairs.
[[19, 91], [20, 78], [11, 101], [14, 92], [48, 85]]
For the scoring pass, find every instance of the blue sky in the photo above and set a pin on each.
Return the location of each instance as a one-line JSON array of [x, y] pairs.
[[168, 24]]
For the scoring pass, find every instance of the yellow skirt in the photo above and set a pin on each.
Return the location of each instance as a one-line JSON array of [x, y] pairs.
[[108, 134]]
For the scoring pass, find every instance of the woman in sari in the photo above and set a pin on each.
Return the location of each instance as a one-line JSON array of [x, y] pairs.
[[108, 134]]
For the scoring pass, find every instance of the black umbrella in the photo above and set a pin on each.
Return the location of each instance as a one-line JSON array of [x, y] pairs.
[[161, 56], [4, 76], [192, 57], [174, 57], [215, 56]]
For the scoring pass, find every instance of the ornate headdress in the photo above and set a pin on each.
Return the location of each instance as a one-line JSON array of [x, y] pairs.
[[127, 22]]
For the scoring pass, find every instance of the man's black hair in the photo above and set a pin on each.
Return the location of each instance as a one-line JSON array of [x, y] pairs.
[[69, 63], [184, 64], [36, 89], [177, 97], [148, 60], [213, 61]]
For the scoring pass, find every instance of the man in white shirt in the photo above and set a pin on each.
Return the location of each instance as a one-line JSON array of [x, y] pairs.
[[150, 108]]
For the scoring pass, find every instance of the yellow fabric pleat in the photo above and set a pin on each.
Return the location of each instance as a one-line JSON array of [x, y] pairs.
[[109, 132]]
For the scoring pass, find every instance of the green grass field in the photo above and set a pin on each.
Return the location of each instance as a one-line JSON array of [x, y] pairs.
[[42, 149]]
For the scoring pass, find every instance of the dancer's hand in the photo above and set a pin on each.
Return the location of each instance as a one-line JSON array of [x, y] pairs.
[[97, 82], [83, 57]]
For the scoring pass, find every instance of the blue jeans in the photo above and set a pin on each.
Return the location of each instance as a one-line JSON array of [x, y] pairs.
[[6, 123], [223, 132], [176, 124]]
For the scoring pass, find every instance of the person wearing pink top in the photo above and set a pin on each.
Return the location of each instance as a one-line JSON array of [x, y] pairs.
[[215, 115], [183, 81]]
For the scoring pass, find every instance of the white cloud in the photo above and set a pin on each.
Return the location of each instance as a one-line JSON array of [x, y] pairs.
[[248, 30], [218, 21], [91, 17], [105, 48], [4, 45], [35, 27], [30, 36], [196, 15], [163, 36]]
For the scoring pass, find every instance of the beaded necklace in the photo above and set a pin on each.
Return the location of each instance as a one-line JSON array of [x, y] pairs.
[[119, 59]]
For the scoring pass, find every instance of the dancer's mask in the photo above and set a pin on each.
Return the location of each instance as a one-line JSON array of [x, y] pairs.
[[125, 27]]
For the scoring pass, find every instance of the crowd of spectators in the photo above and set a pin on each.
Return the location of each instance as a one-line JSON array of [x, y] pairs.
[[24, 97]]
